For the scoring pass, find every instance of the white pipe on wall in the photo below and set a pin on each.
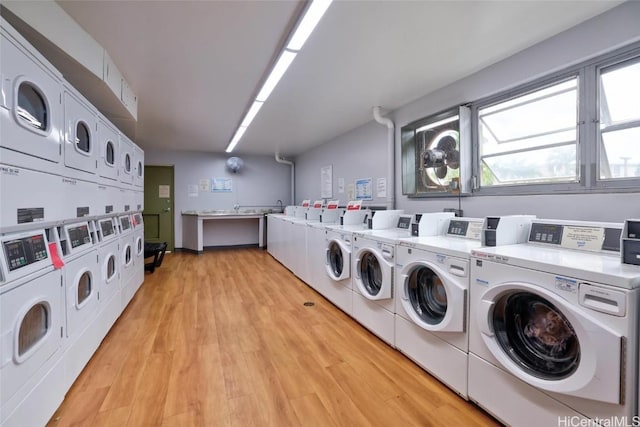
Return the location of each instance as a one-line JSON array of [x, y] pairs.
[[391, 166], [293, 175]]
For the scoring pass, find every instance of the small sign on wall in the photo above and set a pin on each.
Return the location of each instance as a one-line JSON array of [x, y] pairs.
[[364, 189], [221, 185]]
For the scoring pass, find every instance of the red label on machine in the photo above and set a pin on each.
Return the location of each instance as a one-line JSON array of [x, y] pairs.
[[55, 258], [317, 204], [306, 203], [333, 204], [354, 205]]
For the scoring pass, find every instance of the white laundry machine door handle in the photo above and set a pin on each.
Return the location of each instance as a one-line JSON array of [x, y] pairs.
[[484, 309], [326, 256], [402, 284], [357, 268], [5, 97]]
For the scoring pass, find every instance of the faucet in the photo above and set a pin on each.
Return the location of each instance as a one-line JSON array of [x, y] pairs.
[[236, 207], [280, 203]]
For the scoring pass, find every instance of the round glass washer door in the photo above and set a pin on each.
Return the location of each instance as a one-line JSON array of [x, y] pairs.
[[535, 334], [426, 294], [337, 262], [370, 273]]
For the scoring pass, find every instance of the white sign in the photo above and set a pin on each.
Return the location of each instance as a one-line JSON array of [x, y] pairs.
[[381, 187], [586, 238], [192, 190], [205, 185], [326, 182], [340, 185], [164, 191]]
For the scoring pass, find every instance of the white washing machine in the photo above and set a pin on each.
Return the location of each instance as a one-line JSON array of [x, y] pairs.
[[109, 297], [80, 136], [127, 256], [138, 246], [31, 322], [109, 152], [431, 295], [82, 281], [31, 114], [554, 327], [372, 266]]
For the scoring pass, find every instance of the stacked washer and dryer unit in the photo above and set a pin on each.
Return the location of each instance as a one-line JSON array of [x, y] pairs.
[[67, 178]]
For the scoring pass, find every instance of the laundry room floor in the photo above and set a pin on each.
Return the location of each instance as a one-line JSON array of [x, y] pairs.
[[224, 339]]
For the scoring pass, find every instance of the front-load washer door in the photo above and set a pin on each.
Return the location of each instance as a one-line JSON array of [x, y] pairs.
[[551, 344], [374, 274], [338, 260], [434, 298]]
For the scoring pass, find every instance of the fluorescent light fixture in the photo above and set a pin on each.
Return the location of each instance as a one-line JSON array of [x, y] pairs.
[[236, 138], [276, 74], [251, 114], [438, 123], [311, 18], [305, 27]]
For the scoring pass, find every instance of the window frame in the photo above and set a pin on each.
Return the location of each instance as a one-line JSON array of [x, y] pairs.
[[588, 135]]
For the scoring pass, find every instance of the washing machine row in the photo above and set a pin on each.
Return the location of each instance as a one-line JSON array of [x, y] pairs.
[[59, 157], [60, 293], [554, 328]]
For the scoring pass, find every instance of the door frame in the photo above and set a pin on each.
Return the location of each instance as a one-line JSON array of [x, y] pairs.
[[171, 246]]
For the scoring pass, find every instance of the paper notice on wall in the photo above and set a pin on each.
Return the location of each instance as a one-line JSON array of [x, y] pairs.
[[326, 182], [164, 191], [364, 189], [351, 191], [381, 187], [205, 185], [221, 185], [340, 185], [192, 190]]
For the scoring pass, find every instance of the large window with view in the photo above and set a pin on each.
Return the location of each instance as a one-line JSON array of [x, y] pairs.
[[619, 121], [530, 138]]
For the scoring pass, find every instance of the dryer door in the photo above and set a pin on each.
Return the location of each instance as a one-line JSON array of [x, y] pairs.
[[80, 131], [434, 299], [338, 260], [551, 344], [374, 274]]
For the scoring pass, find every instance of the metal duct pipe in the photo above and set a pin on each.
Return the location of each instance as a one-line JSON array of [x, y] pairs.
[[280, 159], [391, 167]]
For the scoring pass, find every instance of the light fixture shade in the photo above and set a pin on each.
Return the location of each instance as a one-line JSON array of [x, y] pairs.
[[312, 16], [236, 138]]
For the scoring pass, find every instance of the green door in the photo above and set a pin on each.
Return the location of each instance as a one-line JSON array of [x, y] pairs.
[[158, 205]]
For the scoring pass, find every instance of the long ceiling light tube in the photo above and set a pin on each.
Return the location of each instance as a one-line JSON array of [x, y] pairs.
[[311, 18], [251, 114], [286, 58], [303, 30]]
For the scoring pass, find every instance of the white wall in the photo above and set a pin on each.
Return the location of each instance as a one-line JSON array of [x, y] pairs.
[[359, 153], [259, 184], [613, 29]]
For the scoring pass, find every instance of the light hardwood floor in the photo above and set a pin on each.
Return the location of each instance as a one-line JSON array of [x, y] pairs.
[[223, 339]]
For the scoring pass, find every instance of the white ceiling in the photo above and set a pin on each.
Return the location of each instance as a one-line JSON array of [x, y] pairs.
[[196, 65]]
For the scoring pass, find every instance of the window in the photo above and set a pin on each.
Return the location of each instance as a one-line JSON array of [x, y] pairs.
[[531, 138], [575, 131], [127, 163], [619, 121]]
